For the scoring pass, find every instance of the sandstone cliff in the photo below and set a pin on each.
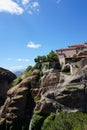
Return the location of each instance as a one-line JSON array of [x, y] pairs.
[[40, 95], [6, 78], [61, 92], [18, 107]]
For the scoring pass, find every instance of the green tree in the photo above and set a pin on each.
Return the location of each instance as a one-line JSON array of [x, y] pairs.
[[40, 59], [52, 56]]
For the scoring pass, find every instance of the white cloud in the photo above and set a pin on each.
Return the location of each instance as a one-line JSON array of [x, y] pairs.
[[33, 45], [18, 7], [34, 5], [15, 68], [11, 7], [25, 2], [23, 60]]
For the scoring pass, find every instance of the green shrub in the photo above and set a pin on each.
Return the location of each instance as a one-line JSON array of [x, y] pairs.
[[37, 65], [37, 121], [66, 121], [61, 121], [28, 71], [58, 106], [48, 121], [18, 80], [47, 66], [28, 68]]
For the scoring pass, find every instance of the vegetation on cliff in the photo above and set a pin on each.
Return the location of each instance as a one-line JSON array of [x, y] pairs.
[[61, 121], [54, 94], [48, 58]]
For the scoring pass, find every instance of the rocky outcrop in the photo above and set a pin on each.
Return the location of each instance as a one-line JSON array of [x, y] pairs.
[[62, 91], [66, 68], [6, 75], [49, 83], [55, 91], [6, 78], [19, 105]]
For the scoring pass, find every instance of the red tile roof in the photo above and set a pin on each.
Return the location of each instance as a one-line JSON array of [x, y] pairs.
[[77, 45], [65, 49]]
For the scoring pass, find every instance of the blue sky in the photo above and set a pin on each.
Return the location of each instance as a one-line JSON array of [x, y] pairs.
[[29, 28]]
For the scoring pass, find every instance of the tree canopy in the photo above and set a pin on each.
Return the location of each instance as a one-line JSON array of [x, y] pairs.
[[51, 57]]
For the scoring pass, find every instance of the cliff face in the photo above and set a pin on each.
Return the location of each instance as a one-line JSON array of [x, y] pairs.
[[6, 78], [18, 107], [53, 92], [61, 92], [70, 91]]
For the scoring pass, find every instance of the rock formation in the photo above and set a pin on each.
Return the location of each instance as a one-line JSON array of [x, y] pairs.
[[62, 92], [19, 105], [6, 78], [52, 92], [67, 90]]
